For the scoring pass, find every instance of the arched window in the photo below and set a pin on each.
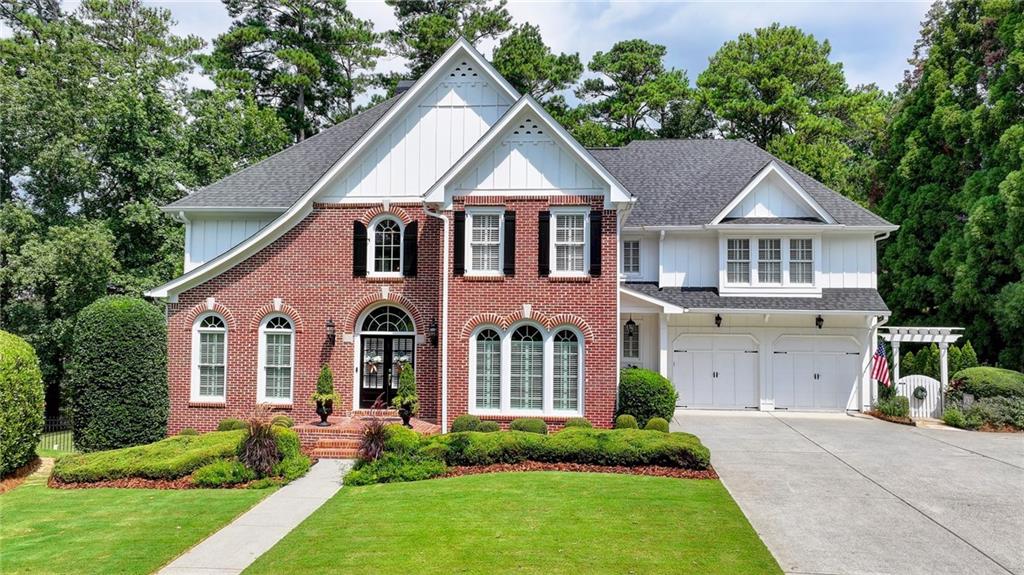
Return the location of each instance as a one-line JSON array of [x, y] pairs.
[[388, 319], [277, 356], [566, 372], [387, 247], [209, 358], [488, 370], [526, 388]]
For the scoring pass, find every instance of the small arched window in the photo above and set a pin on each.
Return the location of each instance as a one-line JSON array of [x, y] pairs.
[[566, 374], [387, 247], [526, 389], [277, 342], [488, 370], [209, 358]]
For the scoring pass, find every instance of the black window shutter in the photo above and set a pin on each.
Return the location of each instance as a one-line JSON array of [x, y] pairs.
[[543, 239], [509, 265], [409, 249], [358, 249], [595, 242], [460, 243]]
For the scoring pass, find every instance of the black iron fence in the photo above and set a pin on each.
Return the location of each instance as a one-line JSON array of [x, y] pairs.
[[57, 438]]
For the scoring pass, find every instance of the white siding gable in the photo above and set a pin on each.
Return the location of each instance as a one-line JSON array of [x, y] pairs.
[[207, 238], [449, 117], [527, 158], [772, 198]]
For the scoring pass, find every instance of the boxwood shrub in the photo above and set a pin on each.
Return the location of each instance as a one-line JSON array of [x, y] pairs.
[[21, 402], [645, 394], [117, 374], [657, 424], [222, 473], [231, 424], [465, 422], [488, 427], [529, 425], [392, 468], [626, 422], [578, 422], [984, 382]]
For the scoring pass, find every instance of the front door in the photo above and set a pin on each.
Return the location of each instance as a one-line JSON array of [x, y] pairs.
[[384, 356]]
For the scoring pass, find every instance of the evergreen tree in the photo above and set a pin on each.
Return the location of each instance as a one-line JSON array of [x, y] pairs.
[[528, 63], [907, 365], [426, 28]]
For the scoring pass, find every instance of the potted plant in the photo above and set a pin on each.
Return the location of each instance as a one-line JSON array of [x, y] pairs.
[[325, 395], [406, 399]]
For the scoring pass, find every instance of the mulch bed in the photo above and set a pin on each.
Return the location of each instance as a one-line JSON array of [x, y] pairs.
[[125, 483], [652, 470], [891, 419], [14, 479], [989, 428]]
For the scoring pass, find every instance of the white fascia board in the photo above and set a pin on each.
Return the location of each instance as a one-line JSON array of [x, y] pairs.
[[827, 228], [774, 312], [773, 167], [224, 209], [304, 205], [664, 305], [617, 192]]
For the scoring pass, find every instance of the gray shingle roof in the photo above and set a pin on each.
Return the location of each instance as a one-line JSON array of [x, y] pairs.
[[281, 179], [688, 182], [832, 299]]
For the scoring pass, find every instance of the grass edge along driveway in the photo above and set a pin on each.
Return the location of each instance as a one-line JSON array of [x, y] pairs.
[[542, 523], [124, 531]]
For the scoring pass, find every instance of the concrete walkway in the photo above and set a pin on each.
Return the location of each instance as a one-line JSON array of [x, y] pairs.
[[233, 548], [835, 494]]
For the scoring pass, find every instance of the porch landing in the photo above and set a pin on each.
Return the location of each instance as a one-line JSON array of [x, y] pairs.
[[340, 440]]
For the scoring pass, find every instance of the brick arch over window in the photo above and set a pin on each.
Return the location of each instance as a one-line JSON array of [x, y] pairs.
[[395, 211], [285, 309], [217, 308], [549, 321], [375, 298]]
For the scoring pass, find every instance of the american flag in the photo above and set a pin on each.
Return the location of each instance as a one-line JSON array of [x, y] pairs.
[[880, 368]]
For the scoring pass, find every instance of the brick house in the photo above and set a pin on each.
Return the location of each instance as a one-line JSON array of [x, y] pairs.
[[458, 228]]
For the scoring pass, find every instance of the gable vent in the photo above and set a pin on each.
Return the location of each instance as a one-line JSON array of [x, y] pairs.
[[528, 127], [463, 70]]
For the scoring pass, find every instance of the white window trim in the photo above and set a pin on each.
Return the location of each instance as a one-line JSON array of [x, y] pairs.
[[751, 258], [639, 258], [548, 339], [261, 373], [371, 268], [490, 211], [194, 384], [787, 256], [552, 234], [755, 287], [755, 276]]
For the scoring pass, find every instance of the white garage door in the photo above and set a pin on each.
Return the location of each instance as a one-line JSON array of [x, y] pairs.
[[815, 372], [715, 371]]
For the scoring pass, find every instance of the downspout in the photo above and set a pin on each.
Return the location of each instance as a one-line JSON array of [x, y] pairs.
[[444, 317]]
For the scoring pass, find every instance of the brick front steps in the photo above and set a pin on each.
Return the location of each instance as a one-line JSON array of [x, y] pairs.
[[340, 440]]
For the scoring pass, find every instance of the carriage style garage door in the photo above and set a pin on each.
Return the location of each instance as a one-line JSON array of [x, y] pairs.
[[715, 371], [815, 372]]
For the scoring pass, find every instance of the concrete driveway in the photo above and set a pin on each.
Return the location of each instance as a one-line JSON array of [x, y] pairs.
[[841, 494]]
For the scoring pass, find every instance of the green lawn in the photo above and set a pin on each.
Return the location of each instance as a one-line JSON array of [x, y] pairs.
[[525, 523], [55, 444], [122, 531]]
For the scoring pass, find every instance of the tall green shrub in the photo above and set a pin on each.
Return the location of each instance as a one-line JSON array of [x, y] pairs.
[[645, 394], [118, 374], [21, 402]]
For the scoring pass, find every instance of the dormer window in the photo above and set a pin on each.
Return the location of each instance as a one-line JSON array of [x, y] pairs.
[[768, 262], [801, 261], [738, 261]]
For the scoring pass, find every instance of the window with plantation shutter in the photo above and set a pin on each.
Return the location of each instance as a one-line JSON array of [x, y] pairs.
[[801, 261], [570, 243], [566, 364], [526, 388], [488, 370], [738, 261], [769, 261], [276, 358], [485, 243], [209, 370]]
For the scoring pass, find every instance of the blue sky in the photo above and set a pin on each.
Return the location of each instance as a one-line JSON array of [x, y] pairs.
[[872, 39]]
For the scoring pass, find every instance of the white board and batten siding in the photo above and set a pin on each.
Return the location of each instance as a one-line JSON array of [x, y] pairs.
[[772, 198], [421, 146], [848, 261], [207, 238], [689, 260]]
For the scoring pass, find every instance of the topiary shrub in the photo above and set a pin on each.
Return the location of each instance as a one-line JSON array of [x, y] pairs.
[[626, 422], [645, 394], [231, 424], [529, 425], [117, 374], [657, 424], [578, 422], [465, 422], [986, 382], [21, 403], [188, 431], [488, 427]]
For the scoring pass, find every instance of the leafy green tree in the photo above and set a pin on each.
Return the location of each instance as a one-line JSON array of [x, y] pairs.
[[528, 63], [426, 28], [907, 364], [309, 59]]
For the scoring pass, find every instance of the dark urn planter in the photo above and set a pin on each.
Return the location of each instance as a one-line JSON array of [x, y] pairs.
[[406, 414], [324, 409]]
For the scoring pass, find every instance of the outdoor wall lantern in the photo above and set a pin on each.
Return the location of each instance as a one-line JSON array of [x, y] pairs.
[[329, 326], [630, 327], [819, 321], [718, 320], [432, 332]]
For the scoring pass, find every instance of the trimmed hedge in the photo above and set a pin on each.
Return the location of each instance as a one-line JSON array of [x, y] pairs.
[[465, 422], [626, 422], [117, 374], [222, 473], [645, 394], [657, 424], [231, 424], [294, 463], [984, 382], [392, 468], [529, 425], [21, 403], [578, 422], [488, 427]]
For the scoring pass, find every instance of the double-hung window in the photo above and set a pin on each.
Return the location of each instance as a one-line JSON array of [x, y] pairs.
[[738, 261], [277, 360], [485, 243], [769, 261], [801, 261], [570, 245], [631, 257], [209, 356]]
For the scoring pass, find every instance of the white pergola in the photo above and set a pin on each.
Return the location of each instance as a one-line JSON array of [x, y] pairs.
[[942, 336]]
